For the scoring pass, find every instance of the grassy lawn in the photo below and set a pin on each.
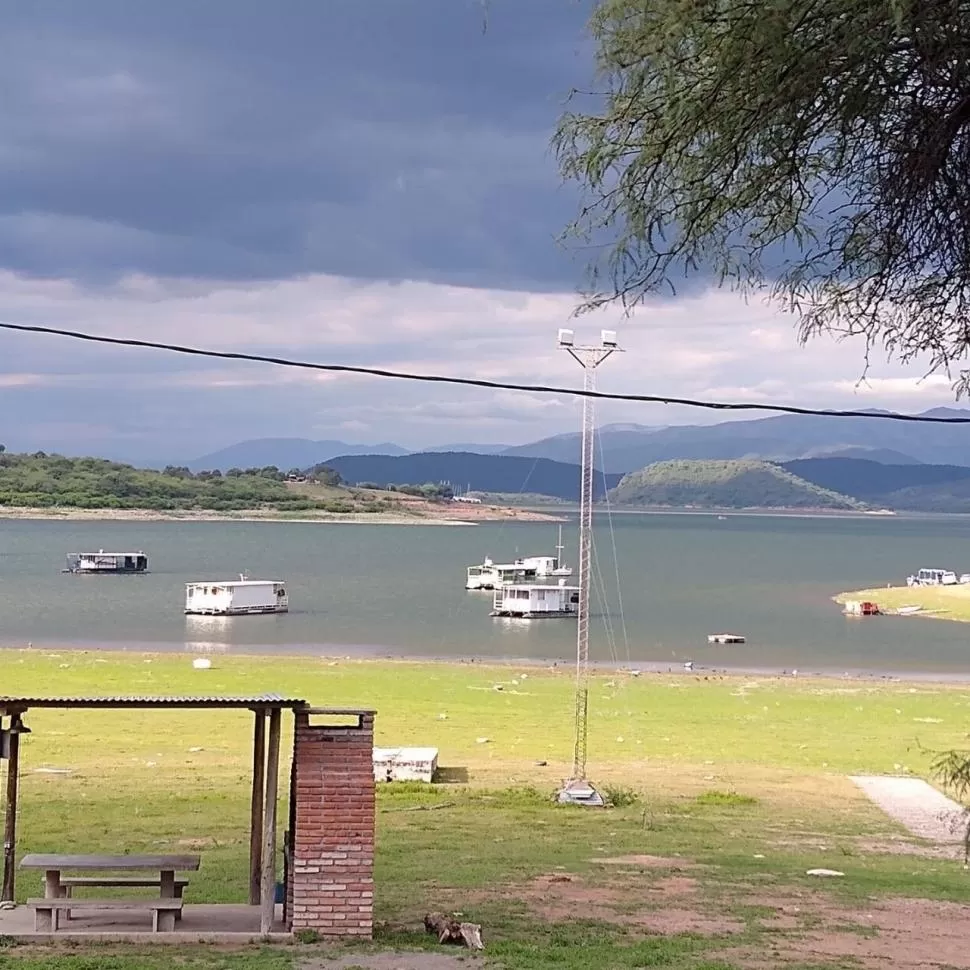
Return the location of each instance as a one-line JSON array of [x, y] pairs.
[[941, 602], [728, 790]]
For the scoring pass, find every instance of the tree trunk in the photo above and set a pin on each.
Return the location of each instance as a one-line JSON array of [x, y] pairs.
[[450, 930]]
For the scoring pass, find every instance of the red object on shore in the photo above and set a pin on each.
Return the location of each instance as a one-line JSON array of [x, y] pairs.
[[869, 609]]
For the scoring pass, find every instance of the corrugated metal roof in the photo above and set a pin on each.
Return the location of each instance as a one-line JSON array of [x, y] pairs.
[[259, 700]]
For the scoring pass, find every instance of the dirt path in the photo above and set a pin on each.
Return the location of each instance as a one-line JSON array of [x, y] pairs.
[[924, 811]]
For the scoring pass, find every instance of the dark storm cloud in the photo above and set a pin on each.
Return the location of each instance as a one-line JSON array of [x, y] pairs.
[[248, 139]]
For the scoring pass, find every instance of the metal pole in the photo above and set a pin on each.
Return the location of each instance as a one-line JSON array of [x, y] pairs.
[[585, 543]]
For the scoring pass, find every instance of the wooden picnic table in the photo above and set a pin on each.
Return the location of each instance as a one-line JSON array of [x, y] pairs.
[[165, 865]]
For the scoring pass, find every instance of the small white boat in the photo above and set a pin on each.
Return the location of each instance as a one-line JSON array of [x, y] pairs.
[[725, 638], [531, 601], [236, 597], [908, 610]]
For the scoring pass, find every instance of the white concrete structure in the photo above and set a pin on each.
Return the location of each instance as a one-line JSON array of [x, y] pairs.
[[405, 764], [236, 597], [529, 601]]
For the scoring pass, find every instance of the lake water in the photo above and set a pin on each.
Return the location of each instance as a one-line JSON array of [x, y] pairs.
[[381, 589]]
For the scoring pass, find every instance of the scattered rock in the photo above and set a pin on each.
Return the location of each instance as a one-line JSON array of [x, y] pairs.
[[825, 873]]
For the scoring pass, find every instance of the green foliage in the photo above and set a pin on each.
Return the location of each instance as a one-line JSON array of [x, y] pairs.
[[725, 798], [47, 481], [619, 796], [952, 768], [428, 490], [826, 137], [325, 475], [724, 484]]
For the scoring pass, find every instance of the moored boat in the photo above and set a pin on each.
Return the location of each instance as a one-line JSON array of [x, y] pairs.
[[103, 563], [529, 601], [236, 597]]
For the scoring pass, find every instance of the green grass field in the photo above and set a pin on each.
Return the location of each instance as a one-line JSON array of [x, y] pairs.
[[940, 602], [745, 778]]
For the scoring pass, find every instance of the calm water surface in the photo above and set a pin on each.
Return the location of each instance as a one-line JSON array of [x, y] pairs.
[[399, 589]]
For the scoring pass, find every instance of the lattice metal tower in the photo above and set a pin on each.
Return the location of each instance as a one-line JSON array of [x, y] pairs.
[[577, 789]]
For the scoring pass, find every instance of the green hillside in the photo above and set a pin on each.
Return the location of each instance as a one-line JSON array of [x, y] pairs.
[[724, 484], [48, 481]]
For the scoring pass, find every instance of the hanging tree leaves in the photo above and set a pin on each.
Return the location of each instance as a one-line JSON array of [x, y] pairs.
[[819, 148]]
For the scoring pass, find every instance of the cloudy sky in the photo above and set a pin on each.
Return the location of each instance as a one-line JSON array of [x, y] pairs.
[[349, 181]]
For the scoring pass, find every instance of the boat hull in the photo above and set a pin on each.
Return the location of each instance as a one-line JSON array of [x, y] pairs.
[[106, 572], [238, 611], [545, 614]]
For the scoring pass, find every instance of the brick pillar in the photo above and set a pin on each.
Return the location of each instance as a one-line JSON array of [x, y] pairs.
[[332, 871]]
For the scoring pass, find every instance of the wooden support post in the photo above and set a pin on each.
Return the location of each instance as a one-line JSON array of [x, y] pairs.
[[267, 900], [10, 818], [256, 818]]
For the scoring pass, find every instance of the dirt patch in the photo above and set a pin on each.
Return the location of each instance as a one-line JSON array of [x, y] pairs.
[[635, 903], [907, 934], [672, 921], [900, 847], [419, 960], [203, 843], [648, 862]]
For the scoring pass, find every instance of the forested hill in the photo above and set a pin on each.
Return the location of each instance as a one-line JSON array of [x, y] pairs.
[[44, 481], [725, 484]]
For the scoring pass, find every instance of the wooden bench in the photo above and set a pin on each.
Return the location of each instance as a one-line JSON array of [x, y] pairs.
[[47, 911]]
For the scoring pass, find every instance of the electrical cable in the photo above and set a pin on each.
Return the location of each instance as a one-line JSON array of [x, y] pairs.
[[475, 382]]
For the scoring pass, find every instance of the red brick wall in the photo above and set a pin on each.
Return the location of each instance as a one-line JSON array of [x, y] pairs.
[[331, 877]]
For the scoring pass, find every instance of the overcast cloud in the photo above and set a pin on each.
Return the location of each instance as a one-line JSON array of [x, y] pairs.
[[356, 181]]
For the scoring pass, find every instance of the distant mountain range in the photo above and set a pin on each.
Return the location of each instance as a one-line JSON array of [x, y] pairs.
[[622, 448], [284, 453]]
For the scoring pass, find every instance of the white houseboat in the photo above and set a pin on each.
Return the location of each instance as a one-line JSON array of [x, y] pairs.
[[236, 597], [529, 601], [490, 575], [933, 577], [105, 563]]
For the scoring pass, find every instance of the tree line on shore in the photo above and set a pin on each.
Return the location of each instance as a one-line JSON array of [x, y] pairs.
[[42, 480]]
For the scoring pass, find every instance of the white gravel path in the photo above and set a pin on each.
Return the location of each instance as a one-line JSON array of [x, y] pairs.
[[923, 810]]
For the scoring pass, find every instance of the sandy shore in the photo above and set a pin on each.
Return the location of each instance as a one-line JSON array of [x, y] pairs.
[[335, 654], [432, 515]]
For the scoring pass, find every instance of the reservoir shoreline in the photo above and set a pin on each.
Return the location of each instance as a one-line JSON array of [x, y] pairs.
[[336, 655]]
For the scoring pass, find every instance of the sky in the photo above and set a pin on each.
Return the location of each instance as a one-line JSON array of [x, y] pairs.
[[356, 181]]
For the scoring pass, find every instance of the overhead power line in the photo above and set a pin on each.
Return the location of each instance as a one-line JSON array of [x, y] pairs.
[[475, 382]]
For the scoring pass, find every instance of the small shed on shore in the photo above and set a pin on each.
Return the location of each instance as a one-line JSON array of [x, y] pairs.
[[267, 717]]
